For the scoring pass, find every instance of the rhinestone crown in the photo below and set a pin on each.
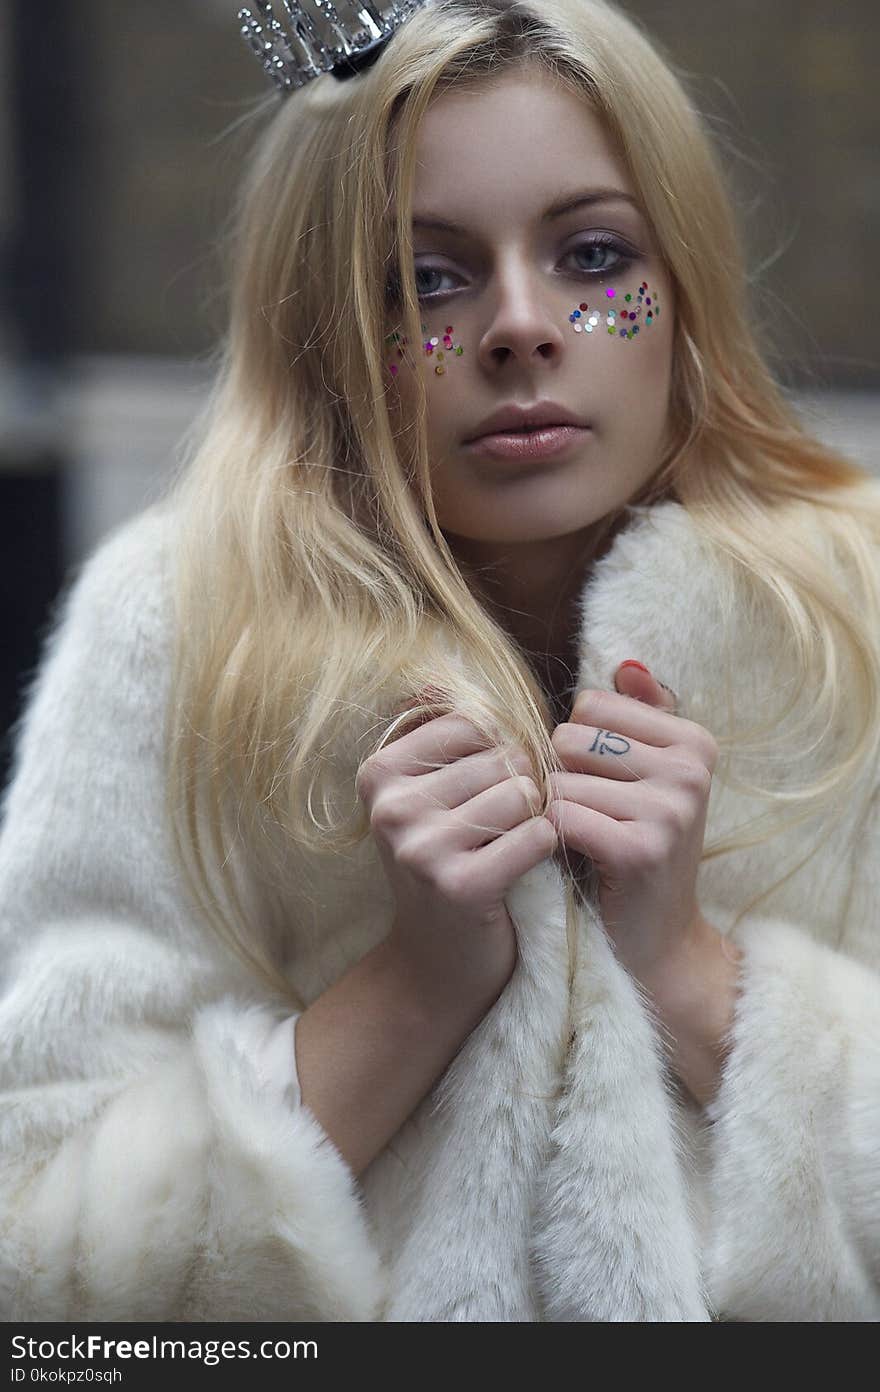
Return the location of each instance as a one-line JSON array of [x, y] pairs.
[[318, 36]]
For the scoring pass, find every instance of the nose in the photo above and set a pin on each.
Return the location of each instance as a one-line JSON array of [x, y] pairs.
[[527, 321]]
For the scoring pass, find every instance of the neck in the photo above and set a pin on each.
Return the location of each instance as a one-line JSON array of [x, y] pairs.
[[531, 588]]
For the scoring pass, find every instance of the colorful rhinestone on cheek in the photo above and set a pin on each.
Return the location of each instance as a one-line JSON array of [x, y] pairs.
[[625, 314], [432, 347], [398, 340]]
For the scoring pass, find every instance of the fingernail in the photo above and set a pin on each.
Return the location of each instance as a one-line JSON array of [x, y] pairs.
[[632, 663]]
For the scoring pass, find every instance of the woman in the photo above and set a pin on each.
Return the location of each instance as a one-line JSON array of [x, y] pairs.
[[580, 952]]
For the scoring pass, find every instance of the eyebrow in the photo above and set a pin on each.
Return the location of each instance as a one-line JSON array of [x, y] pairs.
[[566, 204]]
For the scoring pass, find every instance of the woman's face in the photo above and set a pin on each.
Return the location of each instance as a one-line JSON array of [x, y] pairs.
[[502, 285]]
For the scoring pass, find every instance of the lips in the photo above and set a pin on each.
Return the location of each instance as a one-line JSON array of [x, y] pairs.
[[525, 445], [516, 419]]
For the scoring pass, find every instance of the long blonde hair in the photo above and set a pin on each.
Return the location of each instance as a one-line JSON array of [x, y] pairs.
[[313, 578]]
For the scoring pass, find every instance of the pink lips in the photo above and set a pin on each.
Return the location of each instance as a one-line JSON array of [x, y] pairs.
[[541, 443]]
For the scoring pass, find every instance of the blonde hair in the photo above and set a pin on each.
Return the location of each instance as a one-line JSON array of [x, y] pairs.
[[313, 577]]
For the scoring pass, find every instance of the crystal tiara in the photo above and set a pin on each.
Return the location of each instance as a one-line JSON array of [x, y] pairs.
[[318, 36]]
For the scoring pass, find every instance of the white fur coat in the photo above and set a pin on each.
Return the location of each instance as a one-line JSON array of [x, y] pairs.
[[149, 1170]]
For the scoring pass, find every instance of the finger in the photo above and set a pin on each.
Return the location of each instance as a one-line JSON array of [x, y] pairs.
[[608, 753], [455, 783], [644, 801], [482, 819], [611, 797], [613, 711], [585, 830], [635, 680], [434, 742]]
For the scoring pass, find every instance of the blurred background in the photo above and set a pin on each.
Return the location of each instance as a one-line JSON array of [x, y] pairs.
[[117, 169]]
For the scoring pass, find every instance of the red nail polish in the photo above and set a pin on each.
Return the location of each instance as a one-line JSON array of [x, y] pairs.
[[632, 663]]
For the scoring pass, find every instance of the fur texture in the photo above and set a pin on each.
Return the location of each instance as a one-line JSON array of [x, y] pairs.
[[149, 1171]]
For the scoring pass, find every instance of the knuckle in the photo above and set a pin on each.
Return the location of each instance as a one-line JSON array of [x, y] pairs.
[[364, 778], [452, 880], [529, 788], [510, 758], [710, 752], [373, 771], [704, 744], [417, 854], [674, 814], [692, 774], [454, 728], [563, 738], [589, 702], [521, 762], [387, 811]]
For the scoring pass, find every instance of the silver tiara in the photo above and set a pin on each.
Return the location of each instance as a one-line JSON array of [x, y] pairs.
[[319, 37]]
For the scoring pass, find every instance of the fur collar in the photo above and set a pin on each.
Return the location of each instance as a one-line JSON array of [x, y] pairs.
[[550, 1184], [557, 1171]]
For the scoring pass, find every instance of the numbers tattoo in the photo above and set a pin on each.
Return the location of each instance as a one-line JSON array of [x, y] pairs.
[[606, 742]]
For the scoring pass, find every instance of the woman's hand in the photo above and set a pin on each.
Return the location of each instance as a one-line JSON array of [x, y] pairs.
[[454, 829], [634, 798]]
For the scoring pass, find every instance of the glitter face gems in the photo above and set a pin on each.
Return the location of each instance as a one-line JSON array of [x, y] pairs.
[[620, 318], [434, 347], [398, 342]]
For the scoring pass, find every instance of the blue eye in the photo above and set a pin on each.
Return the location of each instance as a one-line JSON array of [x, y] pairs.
[[393, 293], [605, 242], [430, 271]]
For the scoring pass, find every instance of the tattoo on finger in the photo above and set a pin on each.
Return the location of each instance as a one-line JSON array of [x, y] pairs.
[[606, 742]]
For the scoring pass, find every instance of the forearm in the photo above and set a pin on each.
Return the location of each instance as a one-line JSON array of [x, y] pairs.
[[696, 1000], [371, 1047]]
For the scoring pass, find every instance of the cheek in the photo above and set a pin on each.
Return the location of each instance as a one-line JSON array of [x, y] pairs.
[[626, 314], [621, 339], [440, 358], [436, 353]]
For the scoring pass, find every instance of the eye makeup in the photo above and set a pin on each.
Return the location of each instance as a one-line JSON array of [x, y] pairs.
[[603, 242], [620, 319]]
